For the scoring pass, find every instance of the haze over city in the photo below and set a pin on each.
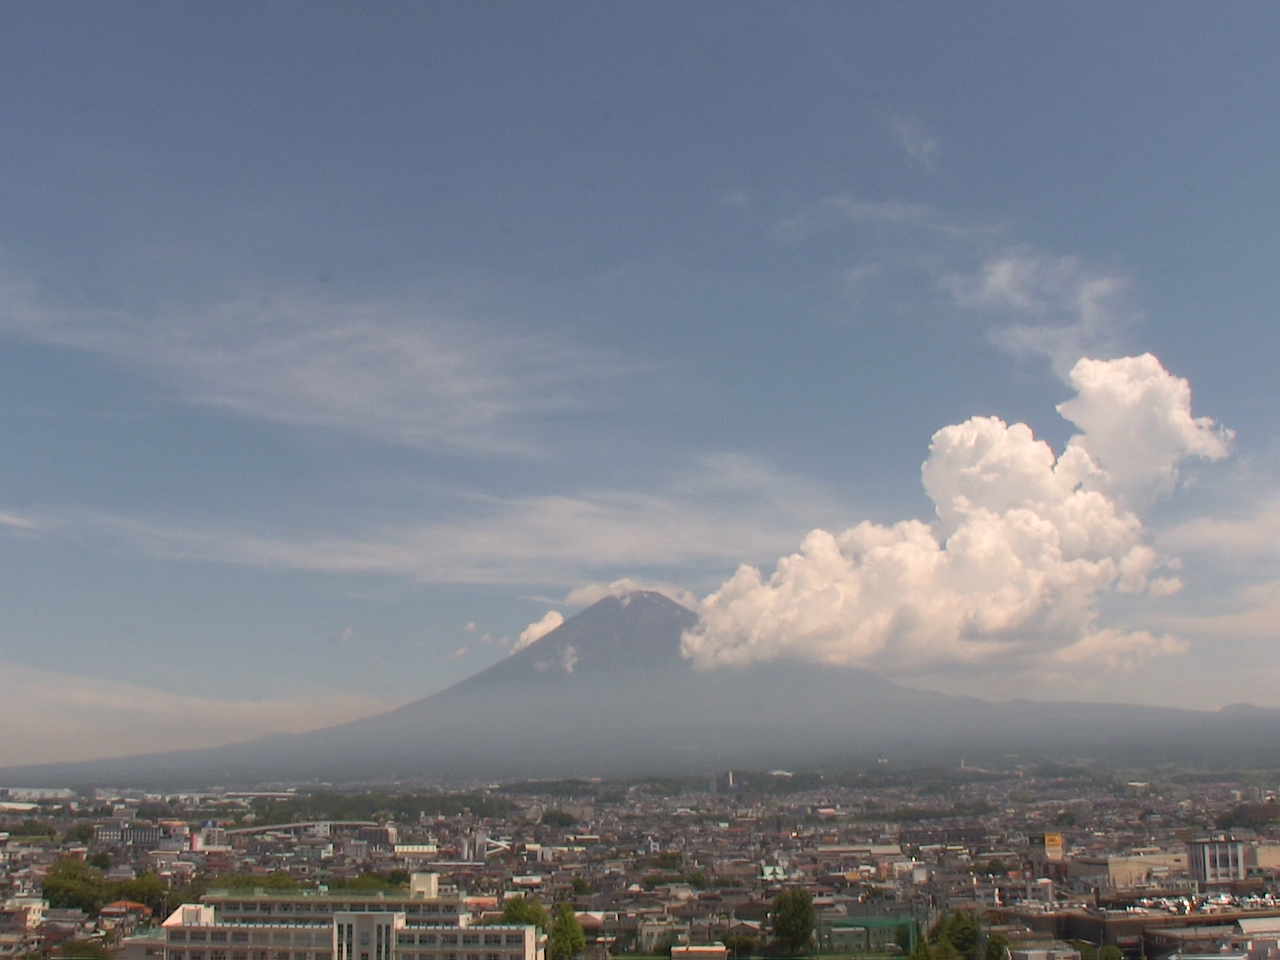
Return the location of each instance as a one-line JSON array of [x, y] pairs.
[[344, 355]]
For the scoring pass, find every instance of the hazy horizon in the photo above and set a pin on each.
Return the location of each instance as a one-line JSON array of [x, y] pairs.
[[347, 354]]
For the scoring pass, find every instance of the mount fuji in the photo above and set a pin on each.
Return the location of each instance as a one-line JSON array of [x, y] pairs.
[[608, 693]]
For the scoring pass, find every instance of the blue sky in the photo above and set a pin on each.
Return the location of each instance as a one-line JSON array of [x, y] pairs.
[[337, 347]]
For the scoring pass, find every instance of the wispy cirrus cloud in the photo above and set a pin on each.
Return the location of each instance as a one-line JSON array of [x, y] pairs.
[[17, 522], [1058, 307], [920, 146], [1245, 536], [130, 718], [844, 209], [402, 370], [697, 520]]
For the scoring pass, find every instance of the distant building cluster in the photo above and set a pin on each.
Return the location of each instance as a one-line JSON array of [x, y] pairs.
[[1054, 863]]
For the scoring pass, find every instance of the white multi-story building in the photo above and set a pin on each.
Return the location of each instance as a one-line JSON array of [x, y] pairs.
[[1217, 859], [337, 925]]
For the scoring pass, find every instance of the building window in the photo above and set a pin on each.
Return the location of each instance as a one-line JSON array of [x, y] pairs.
[[515, 940]]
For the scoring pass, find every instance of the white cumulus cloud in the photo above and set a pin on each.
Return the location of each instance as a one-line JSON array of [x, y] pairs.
[[538, 629], [1025, 544]]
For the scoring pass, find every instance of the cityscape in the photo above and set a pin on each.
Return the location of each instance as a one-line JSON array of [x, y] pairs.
[[651, 480], [1032, 861]]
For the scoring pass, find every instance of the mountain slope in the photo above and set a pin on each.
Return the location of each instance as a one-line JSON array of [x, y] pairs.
[[608, 693]]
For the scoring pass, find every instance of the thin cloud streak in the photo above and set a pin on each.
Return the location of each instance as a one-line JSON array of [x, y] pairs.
[[1059, 308], [920, 146], [402, 371], [15, 522], [703, 519], [1243, 537], [128, 718], [840, 210]]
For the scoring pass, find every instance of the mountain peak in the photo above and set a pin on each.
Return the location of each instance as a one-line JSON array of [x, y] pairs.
[[652, 597], [618, 634]]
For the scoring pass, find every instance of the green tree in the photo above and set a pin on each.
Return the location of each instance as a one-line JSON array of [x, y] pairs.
[[565, 939], [922, 951], [581, 887], [961, 929], [80, 833], [73, 883], [740, 945], [89, 949], [1110, 952], [698, 880], [902, 937], [31, 827], [100, 860], [369, 881], [794, 918], [558, 818], [148, 889], [944, 949], [997, 947], [526, 911]]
